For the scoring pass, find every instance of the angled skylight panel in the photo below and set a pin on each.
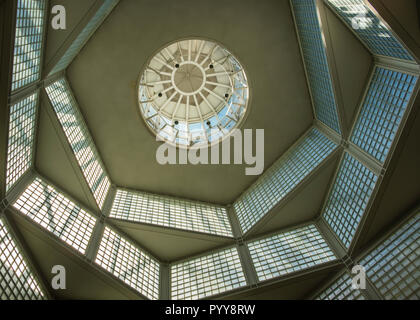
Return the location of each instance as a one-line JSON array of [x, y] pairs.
[[315, 58], [171, 212], [79, 139], [206, 276], [289, 252], [84, 35], [341, 289], [17, 282], [20, 147], [55, 212], [282, 177], [28, 42], [370, 29], [128, 263], [393, 266], [386, 101], [349, 198]]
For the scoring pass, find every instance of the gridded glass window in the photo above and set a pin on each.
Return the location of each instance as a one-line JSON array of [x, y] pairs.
[[282, 177], [341, 289], [170, 212], [384, 106], [21, 138], [375, 35], [28, 42], [315, 58], [84, 35], [348, 198], [53, 211], [394, 265], [79, 139], [16, 279], [134, 267], [288, 252], [207, 275]]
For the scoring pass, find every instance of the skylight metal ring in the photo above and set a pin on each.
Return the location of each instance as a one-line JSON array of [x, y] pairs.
[[172, 114]]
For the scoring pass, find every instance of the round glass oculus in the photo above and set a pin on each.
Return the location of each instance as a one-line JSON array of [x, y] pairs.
[[193, 92]]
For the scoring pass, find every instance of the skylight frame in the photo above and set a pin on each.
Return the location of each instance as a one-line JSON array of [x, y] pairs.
[[12, 287], [202, 288], [340, 289], [88, 158], [64, 209], [274, 264], [127, 258], [26, 80], [154, 209], [26, 109]]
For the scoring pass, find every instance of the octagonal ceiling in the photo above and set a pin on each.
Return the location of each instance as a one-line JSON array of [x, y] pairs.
[[262, 35]]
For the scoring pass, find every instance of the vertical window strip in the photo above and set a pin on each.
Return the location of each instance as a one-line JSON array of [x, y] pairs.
[[54, 212], [79, 139], [289, 252], [315, 59], [131, 265], [282, 177], [28, 42], [393, 266], [17, 282], [341, 289], [207, 275], [370, 29], [349, 198], [382, 111], [20, 147], [170, 212], [84, 36]]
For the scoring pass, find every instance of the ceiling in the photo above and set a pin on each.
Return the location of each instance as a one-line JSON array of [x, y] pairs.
[[261, 34]]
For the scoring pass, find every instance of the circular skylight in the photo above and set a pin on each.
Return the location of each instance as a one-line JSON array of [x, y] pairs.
[[193, 92]]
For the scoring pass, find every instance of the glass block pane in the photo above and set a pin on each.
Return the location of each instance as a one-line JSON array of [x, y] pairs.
[[348, 198], [394, 265], [171, 212], [383, 108], [341, 289], [20, 146], [53, 211], [289, 252], [207, 275], [131, 265], [79, 139], [28, 42], [84, 35], [282, 177], [16, 279], [375, 35], [315, 58]]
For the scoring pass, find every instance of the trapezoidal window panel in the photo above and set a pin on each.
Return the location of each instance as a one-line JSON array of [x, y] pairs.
[[369, 28], [282, 177], [53, 211], [129, 264], [79, 138], [384, 106], [315, 59], [28, 42], [17, 282], [394, 265], [341, 289], [289, 252], [171, 212], [20, 147], [348, 198], [207, 275], [84, 35]]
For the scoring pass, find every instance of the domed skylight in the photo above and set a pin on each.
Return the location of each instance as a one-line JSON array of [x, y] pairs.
[[193, 92]]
